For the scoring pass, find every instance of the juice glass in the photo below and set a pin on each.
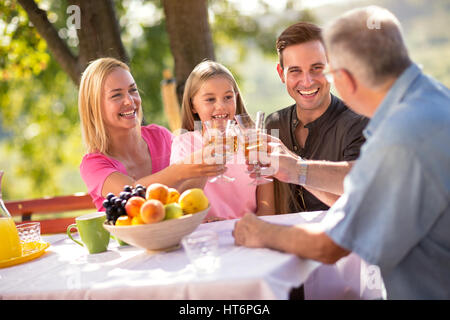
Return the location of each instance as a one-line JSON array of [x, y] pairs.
[[221, 134]]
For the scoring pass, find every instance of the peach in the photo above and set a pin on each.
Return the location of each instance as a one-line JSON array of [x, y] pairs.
[[173, 195], [133, 206], [152, 211], [157, 191]]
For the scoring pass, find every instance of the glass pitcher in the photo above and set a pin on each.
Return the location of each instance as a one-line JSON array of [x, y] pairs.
[[10, 246]]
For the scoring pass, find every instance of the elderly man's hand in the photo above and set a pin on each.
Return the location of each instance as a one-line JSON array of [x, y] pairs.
[[249, 231]]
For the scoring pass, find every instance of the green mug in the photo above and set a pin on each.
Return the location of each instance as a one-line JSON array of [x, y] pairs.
[[92, 233]]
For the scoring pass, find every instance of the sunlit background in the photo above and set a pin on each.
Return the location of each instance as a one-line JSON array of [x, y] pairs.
[[40, 141]]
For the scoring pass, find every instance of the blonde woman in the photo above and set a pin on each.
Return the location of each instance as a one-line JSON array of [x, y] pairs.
[[211, 93], [119, 150]]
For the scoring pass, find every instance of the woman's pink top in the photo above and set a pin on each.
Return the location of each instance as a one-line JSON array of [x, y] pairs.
[[96, 167], [228, 200]]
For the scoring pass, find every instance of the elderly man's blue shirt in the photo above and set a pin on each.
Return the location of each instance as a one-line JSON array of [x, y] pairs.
[[395, 209]]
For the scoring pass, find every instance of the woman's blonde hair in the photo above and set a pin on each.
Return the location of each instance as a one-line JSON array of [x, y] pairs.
[[204, 71], [93, 130]]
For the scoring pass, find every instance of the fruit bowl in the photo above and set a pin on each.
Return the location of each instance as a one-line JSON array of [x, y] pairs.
[[158, 236]]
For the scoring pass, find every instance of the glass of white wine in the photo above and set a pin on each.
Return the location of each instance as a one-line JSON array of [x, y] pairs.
[[250, 133], [222, 135]]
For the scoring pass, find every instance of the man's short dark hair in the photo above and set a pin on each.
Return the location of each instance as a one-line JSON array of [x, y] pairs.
[[297, 33]]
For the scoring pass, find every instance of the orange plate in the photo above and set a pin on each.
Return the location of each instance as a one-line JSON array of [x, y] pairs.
[[27, 256]]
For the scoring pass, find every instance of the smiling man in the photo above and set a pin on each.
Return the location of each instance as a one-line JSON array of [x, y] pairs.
[[318, 126]]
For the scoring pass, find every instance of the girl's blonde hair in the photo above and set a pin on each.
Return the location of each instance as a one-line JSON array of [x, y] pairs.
[[90, 94], [204, 71]]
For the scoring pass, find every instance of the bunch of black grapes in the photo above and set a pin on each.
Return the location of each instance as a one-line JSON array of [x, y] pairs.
[[115, 205]]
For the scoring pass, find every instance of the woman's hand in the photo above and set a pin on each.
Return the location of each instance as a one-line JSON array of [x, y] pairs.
[[199, 164], [192, 171]]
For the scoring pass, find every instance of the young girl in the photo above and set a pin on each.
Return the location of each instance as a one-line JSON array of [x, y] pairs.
[[212, 93], [119, 151]]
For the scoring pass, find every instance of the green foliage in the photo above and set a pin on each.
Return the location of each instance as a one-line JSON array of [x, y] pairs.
[[231, 26], [22, 51], [38, 110], [41, 115]]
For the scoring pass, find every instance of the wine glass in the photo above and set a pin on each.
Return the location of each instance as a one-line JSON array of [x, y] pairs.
[[221, 133], [250, 133]]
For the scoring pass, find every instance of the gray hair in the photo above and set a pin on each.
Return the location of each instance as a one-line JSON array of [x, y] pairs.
[[369, 43]]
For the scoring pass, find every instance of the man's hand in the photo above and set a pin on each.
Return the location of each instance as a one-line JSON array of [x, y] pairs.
[[249, 231], [304, 240]]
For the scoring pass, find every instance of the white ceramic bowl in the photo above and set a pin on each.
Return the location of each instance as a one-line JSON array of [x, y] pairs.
[[161, 235]]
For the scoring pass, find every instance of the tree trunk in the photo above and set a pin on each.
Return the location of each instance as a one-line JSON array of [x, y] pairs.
[[189, 35], [57, 46], [99, 35]]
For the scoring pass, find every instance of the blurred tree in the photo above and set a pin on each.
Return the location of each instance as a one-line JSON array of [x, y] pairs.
[[237, 33], [41, 149], [99, 35], [190, 36]]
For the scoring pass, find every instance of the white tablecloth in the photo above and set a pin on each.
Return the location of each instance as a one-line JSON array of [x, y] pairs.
[[67, 271]]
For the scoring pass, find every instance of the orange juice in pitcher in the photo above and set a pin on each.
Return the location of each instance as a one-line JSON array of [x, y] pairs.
[[10, 246]]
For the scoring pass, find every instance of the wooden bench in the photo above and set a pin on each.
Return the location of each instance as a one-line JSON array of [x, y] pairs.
[[26, 208]]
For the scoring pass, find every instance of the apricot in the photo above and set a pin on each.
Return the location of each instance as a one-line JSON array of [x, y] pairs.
[[133, 206], [152, 211], [123, 221], [173, 195], [137, 220], [157, 191]]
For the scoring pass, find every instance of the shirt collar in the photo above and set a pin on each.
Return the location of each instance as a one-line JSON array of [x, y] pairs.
[[324, 117], [393, 96]]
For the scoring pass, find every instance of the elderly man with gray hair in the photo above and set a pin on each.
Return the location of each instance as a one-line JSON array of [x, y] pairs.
[[395, 208]]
